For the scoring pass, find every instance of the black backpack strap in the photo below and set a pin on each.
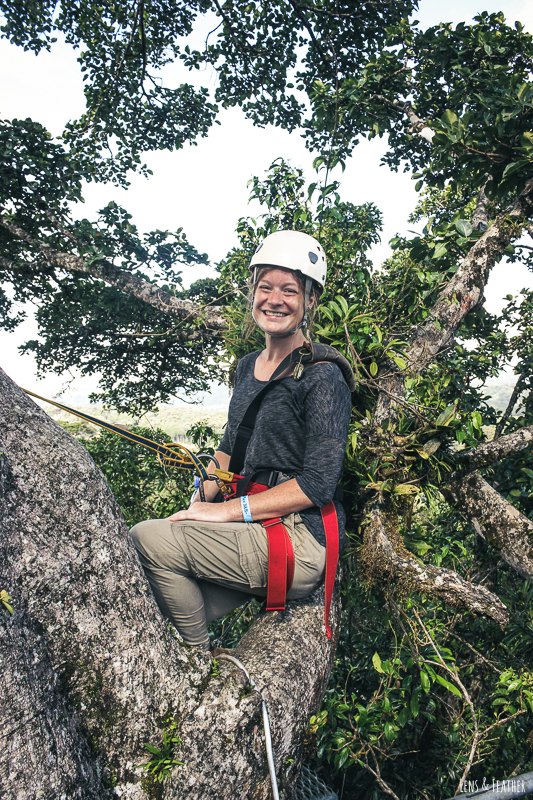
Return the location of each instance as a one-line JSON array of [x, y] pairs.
[[246, 427], [324, 352]]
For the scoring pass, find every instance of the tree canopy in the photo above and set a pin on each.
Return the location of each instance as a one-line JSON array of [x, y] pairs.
[[434, 660]]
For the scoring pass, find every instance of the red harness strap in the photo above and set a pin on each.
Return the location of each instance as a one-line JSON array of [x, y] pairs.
[[281, 556], [280, 564], [331, 528], [281, 561]]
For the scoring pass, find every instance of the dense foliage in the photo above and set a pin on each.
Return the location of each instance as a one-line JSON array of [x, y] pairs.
[[426, 694], [417, 687]]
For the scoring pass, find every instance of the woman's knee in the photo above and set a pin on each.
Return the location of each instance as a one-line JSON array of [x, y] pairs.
[[149, 534]]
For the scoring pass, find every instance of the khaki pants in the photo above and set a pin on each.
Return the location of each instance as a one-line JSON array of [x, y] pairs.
[[200, 571]]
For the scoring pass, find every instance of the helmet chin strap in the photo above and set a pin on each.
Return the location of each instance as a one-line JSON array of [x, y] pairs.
[[301, 324]]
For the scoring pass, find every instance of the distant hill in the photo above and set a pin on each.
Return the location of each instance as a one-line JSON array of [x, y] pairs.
[[176, 420], [499, 394]]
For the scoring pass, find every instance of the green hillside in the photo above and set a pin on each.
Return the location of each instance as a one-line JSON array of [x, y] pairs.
[[176, 420]]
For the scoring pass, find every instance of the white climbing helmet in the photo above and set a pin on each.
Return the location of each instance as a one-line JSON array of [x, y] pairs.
[[293, 250], [296, 251]]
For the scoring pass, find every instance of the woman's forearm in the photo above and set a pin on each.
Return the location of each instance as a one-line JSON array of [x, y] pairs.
[[287, 498]]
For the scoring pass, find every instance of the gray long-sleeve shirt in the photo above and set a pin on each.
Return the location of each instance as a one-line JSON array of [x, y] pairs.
[[300, 430]]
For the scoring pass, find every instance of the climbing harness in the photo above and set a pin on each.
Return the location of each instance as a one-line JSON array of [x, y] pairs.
[[280, 551], [232, 484]]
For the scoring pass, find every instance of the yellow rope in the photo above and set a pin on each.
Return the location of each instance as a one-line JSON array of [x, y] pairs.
[[166, 453]]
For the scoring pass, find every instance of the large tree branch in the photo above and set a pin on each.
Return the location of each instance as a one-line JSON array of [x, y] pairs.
[[124, 281], [385, 553], [465, 290], [502, 525], [488, 453], [480, 217], [460, 295]]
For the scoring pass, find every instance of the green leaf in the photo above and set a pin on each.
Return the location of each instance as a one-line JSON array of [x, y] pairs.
[[403, 716], [414, 703], [390, 733], [376, 663], [449, 118], [523, 89], [515, 166], [407, 489], [373, 369], [446, 416], [333, 305], [417, 546], [432, 446], [447, 685], [401, 363], [343, 304], [5, 598], [343, 757], [463, 227], [153, 750], [424, 680], [440, 250], [500, 701]]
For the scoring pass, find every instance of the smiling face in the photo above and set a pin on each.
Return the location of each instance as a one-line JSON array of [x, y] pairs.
[[278, 302]]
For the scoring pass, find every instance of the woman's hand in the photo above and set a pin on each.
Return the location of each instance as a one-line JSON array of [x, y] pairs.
[[204, 512]]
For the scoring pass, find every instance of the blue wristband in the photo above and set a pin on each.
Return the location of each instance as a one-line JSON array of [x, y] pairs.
[[246, 513]]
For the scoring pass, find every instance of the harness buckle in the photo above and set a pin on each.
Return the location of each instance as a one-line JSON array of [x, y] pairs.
[[273, 478], [269, 522]]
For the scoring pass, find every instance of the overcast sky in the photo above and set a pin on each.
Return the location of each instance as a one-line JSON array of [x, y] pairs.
[[204, 188]]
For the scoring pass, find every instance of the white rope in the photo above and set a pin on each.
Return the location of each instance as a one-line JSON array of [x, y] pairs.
[[266, 724]]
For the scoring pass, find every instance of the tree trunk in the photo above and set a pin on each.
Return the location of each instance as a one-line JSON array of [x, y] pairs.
[[91, 670]]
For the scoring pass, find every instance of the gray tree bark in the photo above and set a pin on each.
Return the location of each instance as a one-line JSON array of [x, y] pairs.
[[386, 553], [502, 525], [90, 669]]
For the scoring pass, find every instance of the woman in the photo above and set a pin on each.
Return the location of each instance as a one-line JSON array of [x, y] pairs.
[[206, 560]]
